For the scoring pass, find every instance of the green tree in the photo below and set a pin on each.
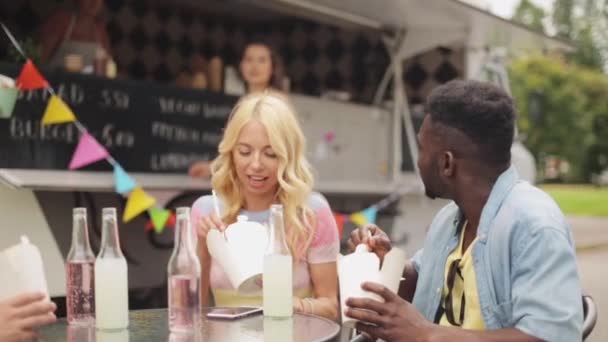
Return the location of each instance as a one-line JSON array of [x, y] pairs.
[[529, 14], [588, 52], [562, 112], [586, 23], [563, 18]]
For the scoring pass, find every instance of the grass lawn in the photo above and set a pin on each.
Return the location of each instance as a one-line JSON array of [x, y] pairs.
[[580, 200]]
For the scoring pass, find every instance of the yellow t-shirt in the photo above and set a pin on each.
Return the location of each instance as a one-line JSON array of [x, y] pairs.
[[464, 282]]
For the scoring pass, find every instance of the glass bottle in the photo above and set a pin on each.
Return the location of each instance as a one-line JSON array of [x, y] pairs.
[[80, 273], [184, 278], [278, 269], [111, 279]]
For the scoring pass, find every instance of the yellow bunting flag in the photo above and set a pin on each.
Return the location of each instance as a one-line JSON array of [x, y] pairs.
[[137, 203], [359, 219], [57, 112]]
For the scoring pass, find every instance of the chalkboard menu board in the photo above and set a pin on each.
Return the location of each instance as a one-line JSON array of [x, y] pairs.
[[146, 127]]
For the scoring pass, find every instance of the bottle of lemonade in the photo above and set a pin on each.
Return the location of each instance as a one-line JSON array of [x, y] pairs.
[[111, 282], [278, 273]]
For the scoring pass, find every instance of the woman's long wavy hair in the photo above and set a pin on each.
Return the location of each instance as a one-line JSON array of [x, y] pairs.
[[294, 173]]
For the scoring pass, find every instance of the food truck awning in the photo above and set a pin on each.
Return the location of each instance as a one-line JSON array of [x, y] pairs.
[[460, 21], [411, 27]]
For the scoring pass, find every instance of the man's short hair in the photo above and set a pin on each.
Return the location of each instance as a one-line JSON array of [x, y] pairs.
[[482, 111]]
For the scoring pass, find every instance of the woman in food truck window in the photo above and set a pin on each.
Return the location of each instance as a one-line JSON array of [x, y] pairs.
[[76, 39], [260, 69], [262, 162]]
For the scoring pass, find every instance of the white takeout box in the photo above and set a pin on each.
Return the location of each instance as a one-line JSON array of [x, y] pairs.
[[6, 82], [362, 266], [240, 253], [21, 270]]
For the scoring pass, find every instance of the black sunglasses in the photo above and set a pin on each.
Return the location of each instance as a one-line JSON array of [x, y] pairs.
[[447, 307]]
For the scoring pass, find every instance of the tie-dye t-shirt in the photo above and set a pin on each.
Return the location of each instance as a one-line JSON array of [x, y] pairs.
[[324, 248]]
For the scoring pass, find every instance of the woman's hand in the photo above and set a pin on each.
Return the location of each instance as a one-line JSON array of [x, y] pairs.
[[206, 223], [21, 315], [299, 306]]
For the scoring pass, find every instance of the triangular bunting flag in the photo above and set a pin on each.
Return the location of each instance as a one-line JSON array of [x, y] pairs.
[[169, 224], [171, 220], [122, 182], [149, 226], [88, 151], [57, 112], [370, 214], [340, 220], [137, 203], [159, 218], [30, 78], [359, 219]]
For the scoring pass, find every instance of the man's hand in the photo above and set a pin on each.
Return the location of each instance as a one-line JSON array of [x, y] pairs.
[[377, 240], [393, 320], [20, 315]]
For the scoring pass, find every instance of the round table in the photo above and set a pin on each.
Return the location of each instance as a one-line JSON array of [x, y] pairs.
[[151, 325]]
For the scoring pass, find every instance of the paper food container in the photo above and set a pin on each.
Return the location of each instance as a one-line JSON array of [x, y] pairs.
[[362, 266], [240, 251], [8, 96], [21, 270]]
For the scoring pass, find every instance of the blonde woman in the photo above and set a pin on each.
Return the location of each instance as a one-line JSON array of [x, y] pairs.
[[261, 161]]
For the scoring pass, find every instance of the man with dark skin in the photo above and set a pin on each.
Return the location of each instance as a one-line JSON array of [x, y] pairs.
[[498, 264]]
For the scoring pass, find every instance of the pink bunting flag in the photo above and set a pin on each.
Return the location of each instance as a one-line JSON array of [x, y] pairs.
[[88, 151]]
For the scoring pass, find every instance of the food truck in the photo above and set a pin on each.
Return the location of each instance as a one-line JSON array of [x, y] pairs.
[[358, 70]]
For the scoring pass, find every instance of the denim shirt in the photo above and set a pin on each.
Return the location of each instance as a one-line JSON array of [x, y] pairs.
[[524, 262]]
